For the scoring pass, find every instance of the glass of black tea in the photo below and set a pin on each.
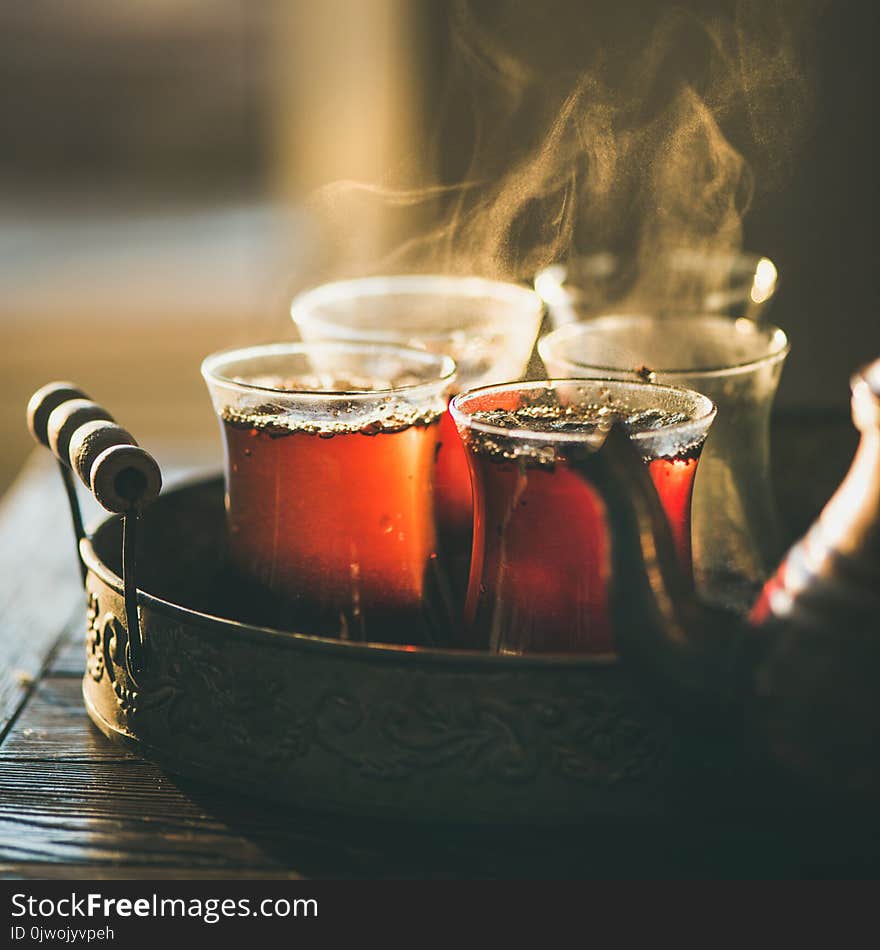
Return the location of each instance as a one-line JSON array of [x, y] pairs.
[[540, 564], [737, 364], [329, 482], [487, 326]]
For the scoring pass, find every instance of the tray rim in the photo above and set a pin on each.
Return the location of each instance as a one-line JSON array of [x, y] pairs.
[[376, 651]]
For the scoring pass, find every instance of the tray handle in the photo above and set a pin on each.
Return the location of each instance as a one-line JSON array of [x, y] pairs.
[[122, 476]]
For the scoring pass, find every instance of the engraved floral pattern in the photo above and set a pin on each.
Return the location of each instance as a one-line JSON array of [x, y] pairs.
[[279, 713], [94, 640]]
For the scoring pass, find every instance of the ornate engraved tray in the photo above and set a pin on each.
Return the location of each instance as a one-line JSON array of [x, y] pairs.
[[367, 729]]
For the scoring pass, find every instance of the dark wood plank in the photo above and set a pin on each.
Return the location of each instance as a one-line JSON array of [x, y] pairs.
[[118, 813], [130, 814], [95, 842], [40, 587], [83, 789], [53, 726], [70, 657]]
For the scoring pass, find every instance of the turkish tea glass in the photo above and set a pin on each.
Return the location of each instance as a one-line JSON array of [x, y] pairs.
[[541, 561], [675, 282], [329, 481], [737, 364], [488, 327]]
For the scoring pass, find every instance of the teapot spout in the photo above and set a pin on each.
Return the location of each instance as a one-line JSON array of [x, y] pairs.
[[684, 647]]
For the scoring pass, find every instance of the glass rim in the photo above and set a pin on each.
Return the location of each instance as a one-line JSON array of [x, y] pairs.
[[742, 258], [446, 368], [563, 274], [777, 339], [414, 285], [752, 278], [703, 418]]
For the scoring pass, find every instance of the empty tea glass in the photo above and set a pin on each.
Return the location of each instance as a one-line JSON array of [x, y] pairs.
[[329, 482], [488, 327], [674, 282], [541, 564], [737, 364]]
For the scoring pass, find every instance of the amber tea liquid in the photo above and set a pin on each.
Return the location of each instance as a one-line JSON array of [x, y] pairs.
[[540, 567], [337, 526]]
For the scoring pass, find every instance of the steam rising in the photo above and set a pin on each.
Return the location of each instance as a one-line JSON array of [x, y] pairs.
[[592, 126]]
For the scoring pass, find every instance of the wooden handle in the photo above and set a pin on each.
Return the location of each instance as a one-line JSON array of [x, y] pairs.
[[65, 419], [89, 441], [43, 402], [84, 437], [124, 477]]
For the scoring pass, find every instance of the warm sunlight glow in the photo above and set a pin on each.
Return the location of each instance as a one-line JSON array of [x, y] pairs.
[[765, 281], [549, 285]]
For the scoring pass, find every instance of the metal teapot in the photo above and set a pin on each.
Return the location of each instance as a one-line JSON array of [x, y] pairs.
[[800, 674]]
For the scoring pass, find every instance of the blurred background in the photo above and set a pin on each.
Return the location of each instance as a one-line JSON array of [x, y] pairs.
[[161, 160]]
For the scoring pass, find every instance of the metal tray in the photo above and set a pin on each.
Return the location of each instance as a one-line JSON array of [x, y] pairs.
[[364, 728]]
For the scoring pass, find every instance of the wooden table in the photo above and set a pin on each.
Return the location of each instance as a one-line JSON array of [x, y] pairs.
[[74, 806]]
